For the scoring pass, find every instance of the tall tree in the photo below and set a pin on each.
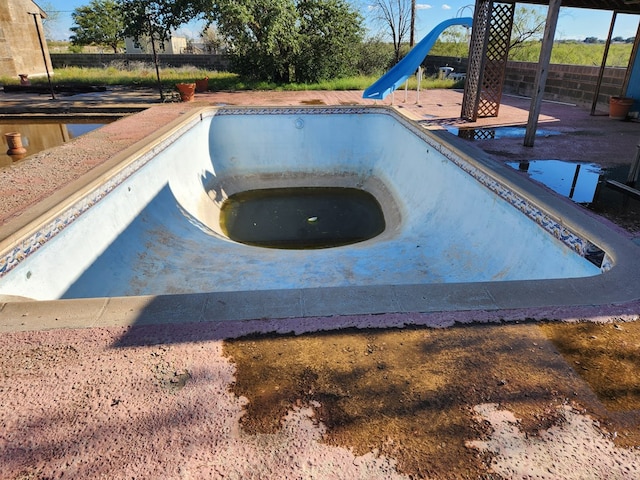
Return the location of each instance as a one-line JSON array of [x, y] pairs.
[[213, 41], [51, 21], [528, 24], [261, 34], [395, 17], [99, 23], [330, 32], [289, 40], [156, 19]]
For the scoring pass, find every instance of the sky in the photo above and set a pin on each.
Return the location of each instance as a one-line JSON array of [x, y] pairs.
[[573, 23]]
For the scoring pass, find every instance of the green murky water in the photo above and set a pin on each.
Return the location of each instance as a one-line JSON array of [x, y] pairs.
[[302, 217]]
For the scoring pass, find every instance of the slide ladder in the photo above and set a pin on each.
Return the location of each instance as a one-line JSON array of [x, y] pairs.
[[410, 63]]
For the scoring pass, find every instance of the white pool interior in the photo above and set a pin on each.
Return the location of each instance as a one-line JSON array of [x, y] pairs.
[[152, 228]]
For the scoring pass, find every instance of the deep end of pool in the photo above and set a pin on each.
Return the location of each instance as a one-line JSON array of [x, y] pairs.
[[461, 232]]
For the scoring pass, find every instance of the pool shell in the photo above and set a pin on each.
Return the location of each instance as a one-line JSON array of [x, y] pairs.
[[615, 285]]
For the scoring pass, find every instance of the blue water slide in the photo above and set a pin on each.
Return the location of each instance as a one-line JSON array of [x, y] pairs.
[[410, 63]]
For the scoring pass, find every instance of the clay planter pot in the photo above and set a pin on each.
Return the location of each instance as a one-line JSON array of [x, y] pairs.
[[619, 107], [187, 91], [14, 142], [202, 85]]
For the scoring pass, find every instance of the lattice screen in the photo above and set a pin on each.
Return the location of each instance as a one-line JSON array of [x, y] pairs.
[[488, 55]]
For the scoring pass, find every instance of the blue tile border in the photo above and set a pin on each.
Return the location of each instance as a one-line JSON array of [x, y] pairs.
[[10, 258]]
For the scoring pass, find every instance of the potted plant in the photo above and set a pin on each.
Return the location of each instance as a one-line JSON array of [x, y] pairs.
[[14, 142], [202, 85], [187, 91], [619, 107]]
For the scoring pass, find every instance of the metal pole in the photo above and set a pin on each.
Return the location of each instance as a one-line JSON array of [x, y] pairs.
[[542, 72], [419, 82], [412, 28], [155, 59], [603, 64], [574, 182], [44, 55]]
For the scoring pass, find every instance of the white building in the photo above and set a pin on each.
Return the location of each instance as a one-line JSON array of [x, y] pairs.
[[173, 45]]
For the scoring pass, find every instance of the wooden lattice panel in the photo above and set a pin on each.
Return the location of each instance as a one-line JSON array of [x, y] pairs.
[[477, 48], [488, 56], [496, 59]]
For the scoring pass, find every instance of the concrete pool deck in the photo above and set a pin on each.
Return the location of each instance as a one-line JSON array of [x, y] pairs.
[[112, 390]]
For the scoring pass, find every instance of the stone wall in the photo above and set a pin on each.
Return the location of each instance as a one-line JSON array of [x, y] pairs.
[[101, 60]]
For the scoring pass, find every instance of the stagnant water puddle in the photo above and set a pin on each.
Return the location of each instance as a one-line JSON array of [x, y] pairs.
[[581, 182], [302, 217], [493, 133], [39, 135], [577, 181]]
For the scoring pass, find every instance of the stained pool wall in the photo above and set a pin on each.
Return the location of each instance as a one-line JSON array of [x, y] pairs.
[[156, 232]]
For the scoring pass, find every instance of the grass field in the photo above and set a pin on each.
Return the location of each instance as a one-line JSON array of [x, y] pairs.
[[564, 53], [143, 75]]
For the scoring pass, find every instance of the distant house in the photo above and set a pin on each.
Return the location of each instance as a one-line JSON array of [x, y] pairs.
[[21, 51], [173, 45]]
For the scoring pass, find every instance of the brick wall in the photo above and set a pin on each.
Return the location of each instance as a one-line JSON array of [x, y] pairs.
[[567, 83]]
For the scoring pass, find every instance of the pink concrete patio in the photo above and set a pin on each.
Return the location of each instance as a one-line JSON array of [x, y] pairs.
[[112, 400]]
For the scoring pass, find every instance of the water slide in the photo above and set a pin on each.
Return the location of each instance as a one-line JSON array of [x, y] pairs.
[[410, 63]]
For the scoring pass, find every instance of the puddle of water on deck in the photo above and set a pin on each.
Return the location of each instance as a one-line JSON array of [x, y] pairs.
[[577, 181], [41, 135], [493, 133]]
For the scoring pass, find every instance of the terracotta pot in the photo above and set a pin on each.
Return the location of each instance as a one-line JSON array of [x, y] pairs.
[[202, 85], [187, 91], [619, 107], [14, 141]]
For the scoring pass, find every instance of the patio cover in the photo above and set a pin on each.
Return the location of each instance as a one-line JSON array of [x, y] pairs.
[[615, 6]]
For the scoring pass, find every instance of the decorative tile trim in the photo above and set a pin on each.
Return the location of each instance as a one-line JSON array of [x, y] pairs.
[[311, 110], [10, 258], [581, 246], [31, 243]]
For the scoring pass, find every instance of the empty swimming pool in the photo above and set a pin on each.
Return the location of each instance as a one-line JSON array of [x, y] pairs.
[[153, 227]]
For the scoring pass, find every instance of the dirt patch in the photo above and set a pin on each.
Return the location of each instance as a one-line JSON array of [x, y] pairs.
[[607, 357], [409, 394]]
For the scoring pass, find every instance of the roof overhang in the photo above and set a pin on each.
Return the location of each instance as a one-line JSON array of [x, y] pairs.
[[41, 12], [620, 6]]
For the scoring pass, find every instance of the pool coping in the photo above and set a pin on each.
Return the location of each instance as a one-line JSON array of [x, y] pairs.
[[614, 287]]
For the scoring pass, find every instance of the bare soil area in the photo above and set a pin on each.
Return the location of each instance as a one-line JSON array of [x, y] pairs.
[[410, 394]]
